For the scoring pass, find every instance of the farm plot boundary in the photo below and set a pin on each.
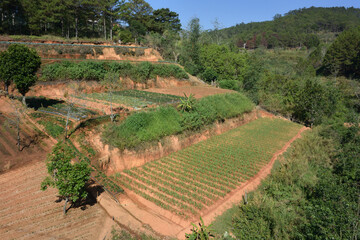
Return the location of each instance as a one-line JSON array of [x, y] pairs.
[[219, 206]]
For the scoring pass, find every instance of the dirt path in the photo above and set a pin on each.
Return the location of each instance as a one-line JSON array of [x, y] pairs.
[[236, 197]]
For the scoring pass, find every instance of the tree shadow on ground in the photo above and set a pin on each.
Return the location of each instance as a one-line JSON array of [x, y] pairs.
[[38, 102], [94, 190]]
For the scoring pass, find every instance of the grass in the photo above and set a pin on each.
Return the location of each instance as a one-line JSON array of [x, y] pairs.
[[190, 180]]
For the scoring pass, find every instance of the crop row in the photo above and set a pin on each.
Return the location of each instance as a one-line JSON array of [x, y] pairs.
[[194, 178], [132, 98]]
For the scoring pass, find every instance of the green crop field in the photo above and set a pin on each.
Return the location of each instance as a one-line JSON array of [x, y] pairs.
[[133, 98], [190, 180]]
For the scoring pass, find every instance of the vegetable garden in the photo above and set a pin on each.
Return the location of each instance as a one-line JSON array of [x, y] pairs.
[[53, 117], [132, 98], [189, 181]]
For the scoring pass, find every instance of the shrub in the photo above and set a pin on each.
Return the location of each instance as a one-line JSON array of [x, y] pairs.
[[209, 75], [230, 84]]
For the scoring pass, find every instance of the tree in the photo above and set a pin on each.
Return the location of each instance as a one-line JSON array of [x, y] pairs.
[[19, 64], [110, 79], [137, 14], [164, 19], [343, 55], [70, 179]]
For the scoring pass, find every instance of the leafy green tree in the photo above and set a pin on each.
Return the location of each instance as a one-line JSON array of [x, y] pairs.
[[70, 179], [19, 64], [191, 47], [226, 64], [343, 55]]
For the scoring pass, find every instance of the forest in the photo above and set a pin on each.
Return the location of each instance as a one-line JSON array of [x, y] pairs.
[[128, 21]]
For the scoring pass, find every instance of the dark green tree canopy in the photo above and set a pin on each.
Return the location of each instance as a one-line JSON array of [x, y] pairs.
[[70, 179], [343, 55], [294, 29], [19, 64], [164, 19]]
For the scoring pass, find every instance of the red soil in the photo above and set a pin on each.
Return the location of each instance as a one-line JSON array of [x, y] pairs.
[[26, 212], [32, 144]]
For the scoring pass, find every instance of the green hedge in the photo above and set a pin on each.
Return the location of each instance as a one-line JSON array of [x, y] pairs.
[[164, 121], [96, 70]]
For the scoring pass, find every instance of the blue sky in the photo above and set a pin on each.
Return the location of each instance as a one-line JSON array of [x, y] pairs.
[[231, 12]]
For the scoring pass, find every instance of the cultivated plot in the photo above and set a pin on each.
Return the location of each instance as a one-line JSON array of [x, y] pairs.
[[132, 98], [189, 181]]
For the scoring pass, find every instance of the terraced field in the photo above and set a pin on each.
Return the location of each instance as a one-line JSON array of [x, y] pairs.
[[132, 98], [189, 181], [26, 212]]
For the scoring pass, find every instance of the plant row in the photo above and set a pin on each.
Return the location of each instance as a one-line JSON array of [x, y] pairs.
[[195, 178]]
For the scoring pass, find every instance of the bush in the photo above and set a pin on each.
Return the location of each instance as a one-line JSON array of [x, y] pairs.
[[215, 108], [209, 75], [230, 84]]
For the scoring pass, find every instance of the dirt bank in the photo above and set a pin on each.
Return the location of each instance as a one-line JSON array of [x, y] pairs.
[[113, 160]]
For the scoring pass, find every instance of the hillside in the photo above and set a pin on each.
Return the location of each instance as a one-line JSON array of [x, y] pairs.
[[302, 27]]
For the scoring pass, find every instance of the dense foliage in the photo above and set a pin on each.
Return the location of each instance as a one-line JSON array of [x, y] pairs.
[[164, 121], [313, 193], [303, 27], [19, 65], [96, 70], [343, 56]]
